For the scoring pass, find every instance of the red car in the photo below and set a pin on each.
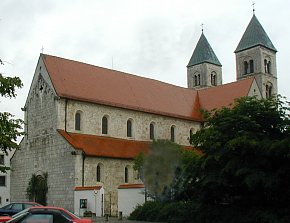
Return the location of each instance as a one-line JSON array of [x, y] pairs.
[[15, 207], [48, 214]]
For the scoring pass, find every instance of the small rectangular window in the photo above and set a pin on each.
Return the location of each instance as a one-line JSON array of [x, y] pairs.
[[2, 181]]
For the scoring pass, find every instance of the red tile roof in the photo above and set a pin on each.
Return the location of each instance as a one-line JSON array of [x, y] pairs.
[[101, 146], [84, 82], [88, 188], [224, 95], [130, 186]]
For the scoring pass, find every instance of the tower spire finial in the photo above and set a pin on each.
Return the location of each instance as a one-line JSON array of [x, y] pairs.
[[253, 5], [202, 27]]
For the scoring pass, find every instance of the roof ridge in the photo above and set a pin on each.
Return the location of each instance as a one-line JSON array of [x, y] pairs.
[[113, 70]]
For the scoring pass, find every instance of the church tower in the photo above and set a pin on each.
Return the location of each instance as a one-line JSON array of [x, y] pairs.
[[256, 56], [204, 69]]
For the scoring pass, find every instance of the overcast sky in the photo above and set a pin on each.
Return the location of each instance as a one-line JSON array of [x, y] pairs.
[[149, 38]]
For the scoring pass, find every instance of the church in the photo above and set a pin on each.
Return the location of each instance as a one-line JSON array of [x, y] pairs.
[[84, 124]]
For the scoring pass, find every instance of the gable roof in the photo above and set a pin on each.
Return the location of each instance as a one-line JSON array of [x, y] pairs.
[[203, 53], [84, 82], [224, 95], [79, 81], [254, 35]]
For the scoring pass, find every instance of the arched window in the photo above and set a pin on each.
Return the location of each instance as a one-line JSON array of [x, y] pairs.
[[78, 121], [129, 128], [269, 87], [269, 67], [246, 67], [198, 79], [195, 80], [99, 172], [213, 79], [126, 175], [104, 125], [152, 130], [172, 133], [251, 66]]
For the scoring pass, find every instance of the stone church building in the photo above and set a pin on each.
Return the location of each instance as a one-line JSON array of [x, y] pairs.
[[84, 124]]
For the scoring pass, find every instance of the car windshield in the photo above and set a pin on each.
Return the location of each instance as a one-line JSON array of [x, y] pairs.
[[19, 216], [20, 213]]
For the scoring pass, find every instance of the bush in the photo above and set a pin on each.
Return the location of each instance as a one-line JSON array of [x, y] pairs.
[[88, 214], [176, 212]]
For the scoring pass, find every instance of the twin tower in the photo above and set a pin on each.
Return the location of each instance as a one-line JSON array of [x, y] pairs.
[[255, 57]]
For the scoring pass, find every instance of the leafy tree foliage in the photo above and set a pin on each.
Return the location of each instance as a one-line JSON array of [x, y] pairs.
[[37, 188], [245, 170], [158, 168], [9, 127]]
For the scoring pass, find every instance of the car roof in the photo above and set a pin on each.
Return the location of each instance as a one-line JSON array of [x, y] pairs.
[[47, 208]]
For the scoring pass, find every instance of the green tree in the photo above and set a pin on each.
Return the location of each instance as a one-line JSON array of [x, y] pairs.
[[37, 188], [244, 173], [157, 169], [9, 127]]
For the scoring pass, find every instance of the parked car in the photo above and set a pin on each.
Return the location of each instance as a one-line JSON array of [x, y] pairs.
[[15, 207], [7, 217], [46, 214]]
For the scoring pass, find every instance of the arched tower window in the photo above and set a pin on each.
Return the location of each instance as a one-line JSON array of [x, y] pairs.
[[213, 78], [265, 66], [105, 125], [251, 66], [172, 133], [246, 67], [152, 130], [129, 128], [269, 67], [78, 121], [269, 88], [196, 79]]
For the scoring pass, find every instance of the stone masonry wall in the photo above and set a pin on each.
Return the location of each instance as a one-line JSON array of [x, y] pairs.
[[112, 175], [92, 114], [43, 149]]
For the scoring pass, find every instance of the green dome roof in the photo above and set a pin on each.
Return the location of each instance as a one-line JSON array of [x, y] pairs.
[[254, 35], [203, 53]]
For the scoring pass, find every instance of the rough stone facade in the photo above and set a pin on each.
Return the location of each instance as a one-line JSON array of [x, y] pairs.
[[43, 149], [205, 70], [258, 54]]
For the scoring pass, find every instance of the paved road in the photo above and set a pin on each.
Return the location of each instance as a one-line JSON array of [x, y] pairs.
[[116, 220]]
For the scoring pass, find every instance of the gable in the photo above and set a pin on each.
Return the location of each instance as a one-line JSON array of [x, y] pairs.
[[40, 78]]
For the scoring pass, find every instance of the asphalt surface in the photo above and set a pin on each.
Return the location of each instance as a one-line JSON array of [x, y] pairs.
[[116, 220]]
